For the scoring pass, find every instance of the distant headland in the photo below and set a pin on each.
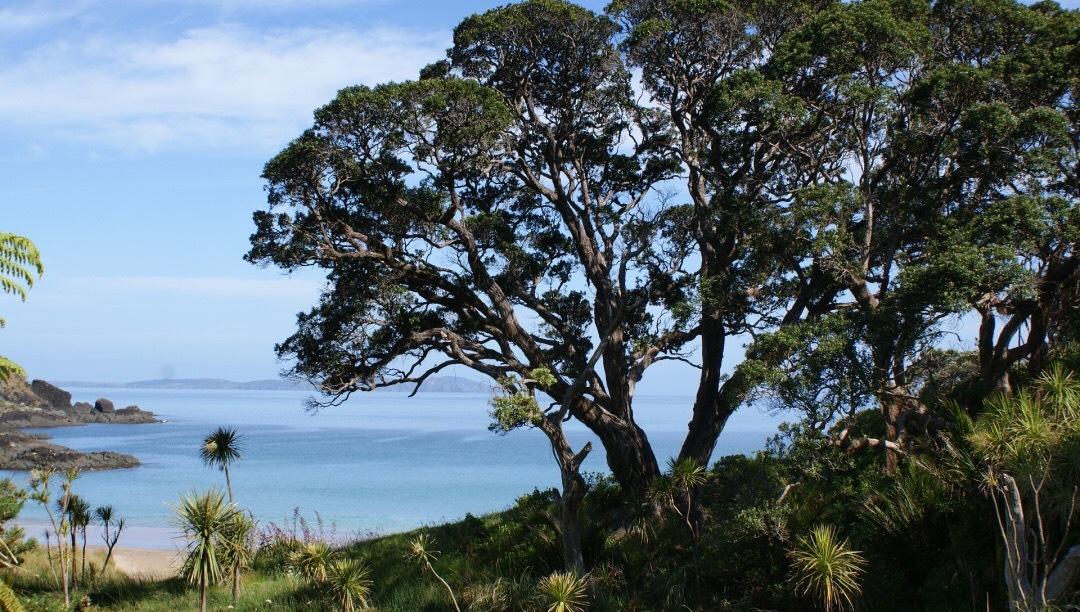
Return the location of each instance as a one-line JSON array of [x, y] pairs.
[[435, 384]]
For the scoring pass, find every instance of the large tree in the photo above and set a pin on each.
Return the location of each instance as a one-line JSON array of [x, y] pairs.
[[951, 197], [827, 182], [499, 214], [748, 139]]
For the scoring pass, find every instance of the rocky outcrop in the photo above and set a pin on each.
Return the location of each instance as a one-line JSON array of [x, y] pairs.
[[23, 451], [41, 404], [53, 395]]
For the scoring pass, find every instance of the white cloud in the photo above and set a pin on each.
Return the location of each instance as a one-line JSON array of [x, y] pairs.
[[223, 86], [36, 15]]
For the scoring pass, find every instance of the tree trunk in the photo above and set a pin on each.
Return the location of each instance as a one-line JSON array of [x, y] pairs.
[[1065, 576], [630, 456], [711, 407], [890, 411], [74, 558], [228, 483], [568, 502], [202, 596], [236, 585]]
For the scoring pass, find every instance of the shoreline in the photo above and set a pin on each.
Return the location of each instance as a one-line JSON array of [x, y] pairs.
[[41, 405], [142, 563], [162, 539]]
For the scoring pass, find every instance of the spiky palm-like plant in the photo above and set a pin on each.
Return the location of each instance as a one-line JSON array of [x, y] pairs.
[[112, 527], [203, 519], [1029, 445], [676, 490], [20, 264], [564, 592], [221, 449], [312, 560], [78, 516], [348, 584], [826, 568], [238, 547], [422, 550]]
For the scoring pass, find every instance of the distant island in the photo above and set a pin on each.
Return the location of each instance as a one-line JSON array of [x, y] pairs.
[[435, 384]]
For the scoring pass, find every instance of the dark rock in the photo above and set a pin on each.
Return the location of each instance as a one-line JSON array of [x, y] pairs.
[[19, 451], [16, 392], [45, 405], [53, 395], [36, 417], [132, 414]]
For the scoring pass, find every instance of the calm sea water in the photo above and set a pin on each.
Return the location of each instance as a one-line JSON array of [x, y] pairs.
[[380, 463]]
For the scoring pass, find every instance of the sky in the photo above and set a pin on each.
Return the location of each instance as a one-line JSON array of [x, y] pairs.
[[132, 137]]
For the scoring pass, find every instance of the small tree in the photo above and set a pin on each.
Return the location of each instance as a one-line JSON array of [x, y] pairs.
[[12, 500], [676, 490], [827, 569], [112, 527], [312, 560], [564, 592], [1030, 445], [348, 585], [239, 548], [204, 519], [220, 449], [422, 551], [40, 481], [517, 407], [77, 515]]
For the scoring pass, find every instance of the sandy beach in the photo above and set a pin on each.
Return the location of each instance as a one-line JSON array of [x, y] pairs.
[[145, 562]]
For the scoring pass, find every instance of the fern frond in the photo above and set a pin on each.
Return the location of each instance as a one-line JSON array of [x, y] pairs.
[[8, 601], [20, 264]]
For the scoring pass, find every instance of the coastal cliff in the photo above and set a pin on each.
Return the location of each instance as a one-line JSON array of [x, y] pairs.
[[41, 404]]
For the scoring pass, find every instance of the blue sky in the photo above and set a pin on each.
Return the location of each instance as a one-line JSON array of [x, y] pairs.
[[132, 136]]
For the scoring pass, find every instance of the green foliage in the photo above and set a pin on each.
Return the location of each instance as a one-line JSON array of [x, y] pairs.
[[1030, 433], [564, 592], [204, 520], [20, 265], [512, 411], [348, 585], [221, 448], [422, 550], [312, 560], [827, 569], [8, 601]]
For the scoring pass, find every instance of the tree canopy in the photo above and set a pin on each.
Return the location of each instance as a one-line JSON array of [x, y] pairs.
[[833, 185]]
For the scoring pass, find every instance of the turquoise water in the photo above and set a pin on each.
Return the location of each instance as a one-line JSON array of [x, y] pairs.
[[380, 463]]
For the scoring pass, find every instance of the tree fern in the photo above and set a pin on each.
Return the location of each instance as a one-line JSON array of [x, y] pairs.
[[8, 601]]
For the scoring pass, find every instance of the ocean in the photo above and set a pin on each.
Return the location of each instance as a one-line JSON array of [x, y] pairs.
[[380, 463]]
